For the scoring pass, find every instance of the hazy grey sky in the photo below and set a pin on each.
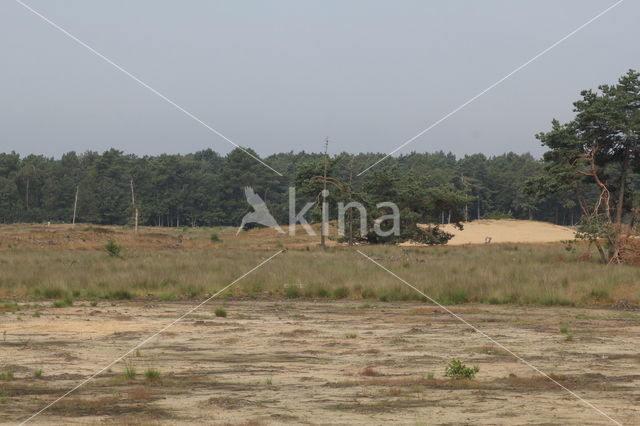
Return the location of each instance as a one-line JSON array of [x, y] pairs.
[[282, 75]]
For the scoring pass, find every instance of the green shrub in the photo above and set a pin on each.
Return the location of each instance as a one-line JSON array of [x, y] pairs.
[[215, 238], [221, 312], [112, 248], [322, 292], [457, 370], [119, 295], [37, 374], [291, 292], [340, 292], [52, 293]]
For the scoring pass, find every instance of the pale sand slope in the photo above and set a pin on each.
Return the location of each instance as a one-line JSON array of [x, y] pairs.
[[508, 231]]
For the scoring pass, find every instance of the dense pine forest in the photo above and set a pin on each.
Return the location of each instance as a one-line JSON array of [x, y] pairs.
[[205, 188]]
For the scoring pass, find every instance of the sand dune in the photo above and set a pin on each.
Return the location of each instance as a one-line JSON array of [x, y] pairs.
[[508, 231]]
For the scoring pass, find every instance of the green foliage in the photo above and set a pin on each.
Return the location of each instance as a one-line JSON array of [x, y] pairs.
[[215, 238], [129, 372], [112, 248], [457, 370], [206, 189], [221, 312], [291, 291], [152, 374], [6, 375], [118, 295], [37, 374], [340, 292]]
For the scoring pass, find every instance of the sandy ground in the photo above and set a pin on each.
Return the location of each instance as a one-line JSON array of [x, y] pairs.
[[302, 362], [508, 231]]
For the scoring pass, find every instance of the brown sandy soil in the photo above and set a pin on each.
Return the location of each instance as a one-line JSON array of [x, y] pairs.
[[508, 231], [305, 362]]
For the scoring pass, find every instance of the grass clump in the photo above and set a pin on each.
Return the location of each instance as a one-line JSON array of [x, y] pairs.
[[37, 374], [152, 374], [118, 295], [63, 303], [130, 372], [564, 328], [6, 375], [340, 292], [215, 238], [291, 292], [50, 293], [221, 312], [457, 370]]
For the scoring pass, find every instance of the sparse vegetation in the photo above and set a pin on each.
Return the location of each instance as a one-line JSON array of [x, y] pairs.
[[221, 312]]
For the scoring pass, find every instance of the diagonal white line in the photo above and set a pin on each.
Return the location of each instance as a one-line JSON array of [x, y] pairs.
[[145, 341], [491, 339], [599, 15], [142, 83]]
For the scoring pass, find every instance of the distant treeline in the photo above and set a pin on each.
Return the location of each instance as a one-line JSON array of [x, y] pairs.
[[207, 189]]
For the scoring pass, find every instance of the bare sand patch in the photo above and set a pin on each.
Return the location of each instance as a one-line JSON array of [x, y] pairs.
[[508, 231]]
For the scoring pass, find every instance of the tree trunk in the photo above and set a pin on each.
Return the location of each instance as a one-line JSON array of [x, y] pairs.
[[623, 181]]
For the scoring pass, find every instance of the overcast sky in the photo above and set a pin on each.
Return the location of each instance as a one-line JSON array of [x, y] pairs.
[[283, 75]]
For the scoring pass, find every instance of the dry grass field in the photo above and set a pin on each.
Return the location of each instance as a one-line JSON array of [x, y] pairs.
[[314, 336]]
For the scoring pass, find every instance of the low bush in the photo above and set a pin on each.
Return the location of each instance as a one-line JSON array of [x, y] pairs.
[[457, 370]]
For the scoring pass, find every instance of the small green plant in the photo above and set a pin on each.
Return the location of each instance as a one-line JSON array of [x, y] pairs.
[[322, 292], [340, 292], [569, 337], [383, 297], [63, 303], [37, 374], [138, 353], [152, 374], [430, 375], [6, 375], [221, 312], [112, 248], [119, 295], [351, 336], [94, 303], [291, 292], [268, 381], [129, 372], [215, 238], [457, 370], [564, 328], [36, 314]]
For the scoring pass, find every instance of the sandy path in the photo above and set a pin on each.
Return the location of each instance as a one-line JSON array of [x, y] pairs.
[[275, 362], [508, 231]]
